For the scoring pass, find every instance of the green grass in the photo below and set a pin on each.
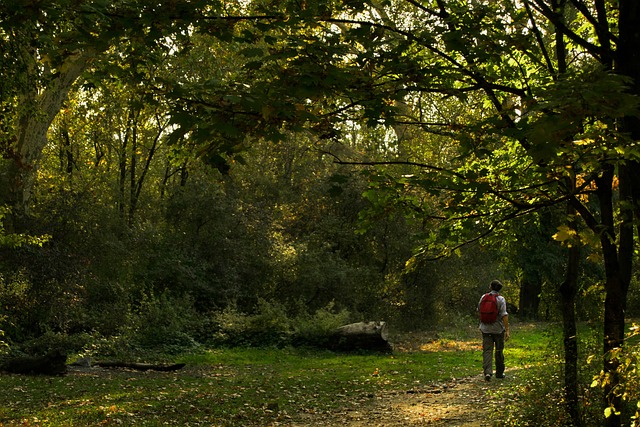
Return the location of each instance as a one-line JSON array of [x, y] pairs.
[[235, 387]]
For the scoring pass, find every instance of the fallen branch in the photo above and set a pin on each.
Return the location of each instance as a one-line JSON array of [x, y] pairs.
[[86, 362], [140, 366]]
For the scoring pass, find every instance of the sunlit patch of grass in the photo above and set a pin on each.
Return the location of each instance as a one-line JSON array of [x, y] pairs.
[[444, 344]]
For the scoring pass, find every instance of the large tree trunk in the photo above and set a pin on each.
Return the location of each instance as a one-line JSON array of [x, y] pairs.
[[37, 111], [618, 264]]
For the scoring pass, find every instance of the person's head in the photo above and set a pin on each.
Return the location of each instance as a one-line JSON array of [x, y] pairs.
[[495, 285]]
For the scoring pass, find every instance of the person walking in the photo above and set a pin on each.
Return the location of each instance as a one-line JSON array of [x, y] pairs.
[[494, 325]]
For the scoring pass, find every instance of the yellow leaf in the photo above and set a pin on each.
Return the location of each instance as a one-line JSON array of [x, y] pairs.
[[564, 233], [586, 141], [610, 411]]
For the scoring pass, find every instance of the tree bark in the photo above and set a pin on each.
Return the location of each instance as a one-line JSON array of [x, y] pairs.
[[530, 290], [568, 291], [38, 111], [361, 336], [618, 261]]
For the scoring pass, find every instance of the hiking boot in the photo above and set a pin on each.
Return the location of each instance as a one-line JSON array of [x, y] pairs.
[[502, 376], [487, 377]]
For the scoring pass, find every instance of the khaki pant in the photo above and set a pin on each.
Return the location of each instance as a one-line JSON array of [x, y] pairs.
[[489, 342]]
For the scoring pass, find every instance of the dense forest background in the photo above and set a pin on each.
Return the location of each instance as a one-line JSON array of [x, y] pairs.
[[186, 172]]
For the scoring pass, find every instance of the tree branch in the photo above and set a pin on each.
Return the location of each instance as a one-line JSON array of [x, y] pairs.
[[338, 161], [548, 13], [536, 32]]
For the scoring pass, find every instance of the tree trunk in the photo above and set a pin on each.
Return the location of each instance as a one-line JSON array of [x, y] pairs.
[[568, 291], [361, 336], [37, 112], [618, 263], [530, 290]]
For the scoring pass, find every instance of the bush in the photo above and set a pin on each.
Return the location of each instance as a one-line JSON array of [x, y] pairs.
[[268, 326], [164, 324], [629, 386], [316, 329], [272, 325], [53, 341], [527, 403]]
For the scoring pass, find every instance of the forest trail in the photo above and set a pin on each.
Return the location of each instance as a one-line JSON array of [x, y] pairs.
[[458, 403]]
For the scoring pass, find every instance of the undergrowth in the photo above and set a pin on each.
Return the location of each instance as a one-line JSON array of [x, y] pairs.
[[536, 396]]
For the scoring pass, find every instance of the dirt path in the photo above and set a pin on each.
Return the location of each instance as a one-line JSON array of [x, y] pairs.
[[459, 403]]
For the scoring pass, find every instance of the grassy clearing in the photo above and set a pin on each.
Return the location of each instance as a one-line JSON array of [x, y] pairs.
[[248, 386]]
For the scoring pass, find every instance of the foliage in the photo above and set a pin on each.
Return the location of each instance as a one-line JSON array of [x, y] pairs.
[[163, 324], [202, 158], [54, 341], [271, 325], [628, 387], [525, 402], [536, 350], [268, 326], [313, 329], [13, 240]]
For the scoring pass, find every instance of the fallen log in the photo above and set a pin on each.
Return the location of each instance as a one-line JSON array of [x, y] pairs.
[[369, 336], [54, 363]]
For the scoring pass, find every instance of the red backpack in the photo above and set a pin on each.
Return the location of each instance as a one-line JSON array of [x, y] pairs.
[[489, 308]]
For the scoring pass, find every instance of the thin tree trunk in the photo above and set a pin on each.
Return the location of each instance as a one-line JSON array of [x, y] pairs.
[[568, 292], [138, 183], [529, 302], [568, 289], [133, 166]]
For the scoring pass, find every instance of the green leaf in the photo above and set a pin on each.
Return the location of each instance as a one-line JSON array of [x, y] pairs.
[[251, 52]]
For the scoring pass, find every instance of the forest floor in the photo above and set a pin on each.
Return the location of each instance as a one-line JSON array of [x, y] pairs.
[[460, 402], [431, 380]]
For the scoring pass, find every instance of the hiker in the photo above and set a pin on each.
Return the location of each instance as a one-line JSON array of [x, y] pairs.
[[494, 325]]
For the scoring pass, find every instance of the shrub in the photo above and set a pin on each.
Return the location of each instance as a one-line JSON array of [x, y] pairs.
[[273, 325], [629, 386], [316, 329], [164, 323], [527, 402], [269, 325], [55, 341]]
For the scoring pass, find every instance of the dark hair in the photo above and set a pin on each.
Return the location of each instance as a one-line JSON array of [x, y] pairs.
[[496, 285]]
